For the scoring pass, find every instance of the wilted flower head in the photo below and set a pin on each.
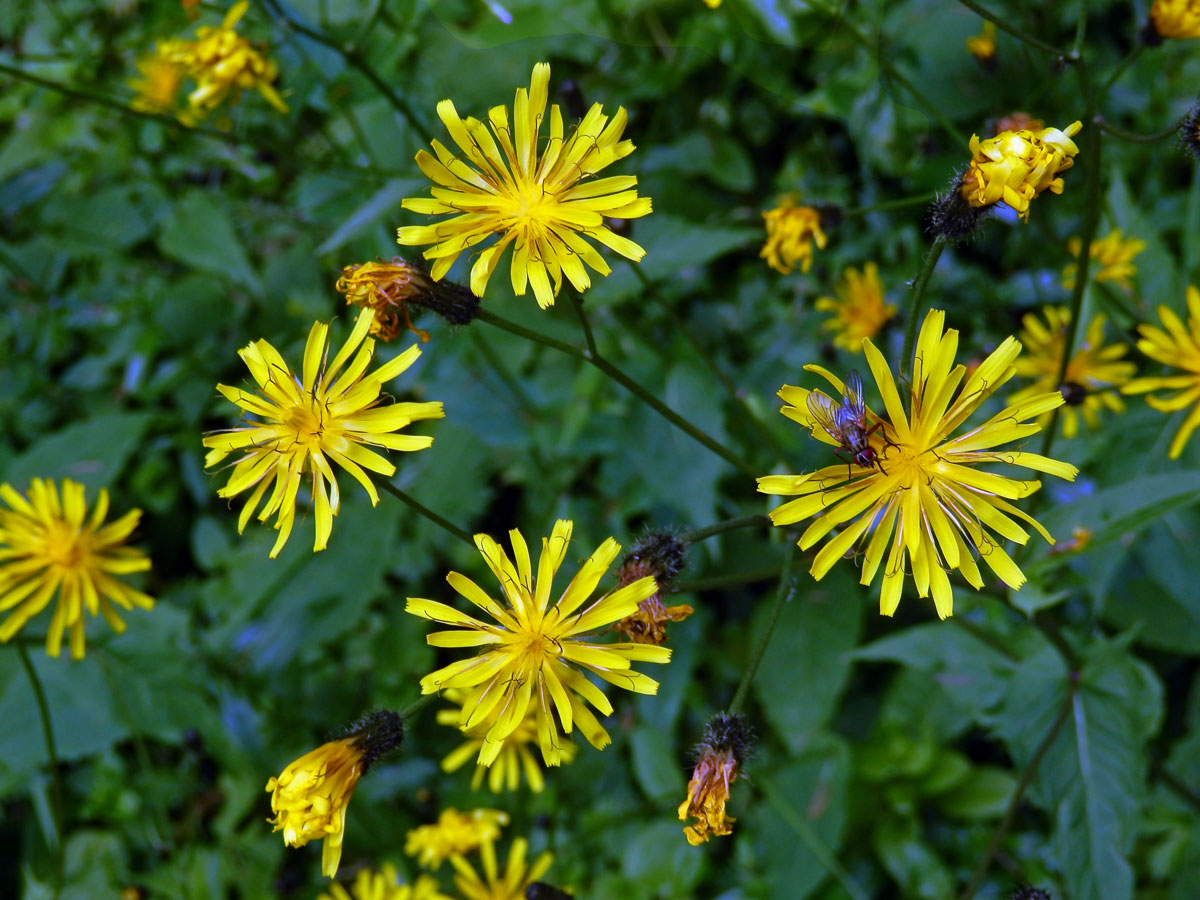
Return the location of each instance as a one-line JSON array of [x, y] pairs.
[[223, 64], [661, 556], [544, 206], [384, 884], [50, 546], [390, 288], [1016, 166], [1115, 255], [453, 833], [719, 759], [923, 491], [310, 797], [305, 423], [983, 46], [859, 310], [791, 232], [1176, 18], [1178, 347], [494, 885]]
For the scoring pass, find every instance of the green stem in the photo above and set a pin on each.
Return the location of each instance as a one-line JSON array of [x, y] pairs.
[[1180, 787], [699, 534], [1122, 135], [417, 705], [1124, 64], [1020, 34], [625, 381], [902, 202], [731, 579], [56, 804], [588, 337], [914, 309], [985, 638], [426, 511], [781, 597]]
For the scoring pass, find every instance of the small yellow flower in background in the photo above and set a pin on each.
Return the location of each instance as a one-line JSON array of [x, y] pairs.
[[983, 46], [1081, 537], [1016, 166], [720, 756], [453, 833], [532, 657], [543, 206], [712, 4], [515, 756], [791, 232], [162, 76], [1115, 254], [510, 885], [925, 492], [1019, 121], [223, 64], [307, 422], [384, 885], [1179, 348], [1176, 18], [1093, 375], [310, 797], [49, 546], [859, 309], [386, 288]]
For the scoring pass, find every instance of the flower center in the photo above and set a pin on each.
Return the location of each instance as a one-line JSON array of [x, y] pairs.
[[906, 462], [306, 423], [64, 546]]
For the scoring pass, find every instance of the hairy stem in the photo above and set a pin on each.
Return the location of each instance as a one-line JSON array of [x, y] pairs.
[[781, 597], [699, 534], [914, 309], [1122, 135], [426, 511]]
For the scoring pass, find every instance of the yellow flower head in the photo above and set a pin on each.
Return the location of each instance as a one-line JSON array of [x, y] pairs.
[[791, 232], [162, 75], [983, 46], [49, 545], [1115, 254], [1016, 166], [1093, 374], [544, 206], [1176, 18], [1178, 347], [859, 310], [712, 4], [515, 756], [386, 288], [223, 64], [532, 655], [305, 423], [719, 761], [924, 492], [384, 885], [494, 885], [453, 833]]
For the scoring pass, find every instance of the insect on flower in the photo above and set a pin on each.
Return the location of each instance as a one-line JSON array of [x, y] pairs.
[[846, 422]]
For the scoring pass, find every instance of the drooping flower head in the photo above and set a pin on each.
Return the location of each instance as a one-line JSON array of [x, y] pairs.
[[453, 833], [516, 756], [926, 494], [719, 759], [982, 46], [533, 655], [1114, 253], [49, 547], [1178, 347], [390, 288], [1176, 18], [1016, 166], [1093, 375], [661, 556], [305, 423], [384, 884], [543, 205], [310, 797], [510, 884], [859, 310], [162, 74], [791, 232], [223, 63]]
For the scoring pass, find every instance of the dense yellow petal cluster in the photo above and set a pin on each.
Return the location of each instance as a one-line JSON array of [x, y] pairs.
[[1178, 346], [453, 833], [325, 415], [926, 495], [386, 288], [162, 74], [1016, 166], [1093, 375], [383, 884], [494, 885], [50, 546], [791, 232], [533, 656], [1114, 253], [223, 64], [983, 45], [859, 310], [542, 204], [1176, 18]]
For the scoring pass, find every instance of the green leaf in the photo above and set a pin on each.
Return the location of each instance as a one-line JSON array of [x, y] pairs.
[[200, 233], [656, 764], [672, 243], [93, 452], [386, 199]]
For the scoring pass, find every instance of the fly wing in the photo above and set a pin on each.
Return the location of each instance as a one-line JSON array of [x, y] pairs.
[[825, 412], [854, 407]]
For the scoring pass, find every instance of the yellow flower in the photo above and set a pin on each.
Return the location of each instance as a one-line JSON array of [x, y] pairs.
[[712, 4], [791, 232], [1093, 374], [925, 492], [307, 422], [50, 546], [533, 652], [983, 46], [1176, 18], [1178, 347], [515, 756], [1016, 166], [517, 876], [1115, 254], [719, 761], [162, 75], [544, 206], [859, 310], [223, 63], [386, 288], [383, 885], [453, 833]]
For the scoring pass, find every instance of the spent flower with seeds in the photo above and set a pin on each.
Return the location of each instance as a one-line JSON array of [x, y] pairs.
[[1015, 166], [791, 232], [727, 744], [453, 833], [1176, 345], [859, 310], [661, 556], [1114, 253], [511, 884]]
